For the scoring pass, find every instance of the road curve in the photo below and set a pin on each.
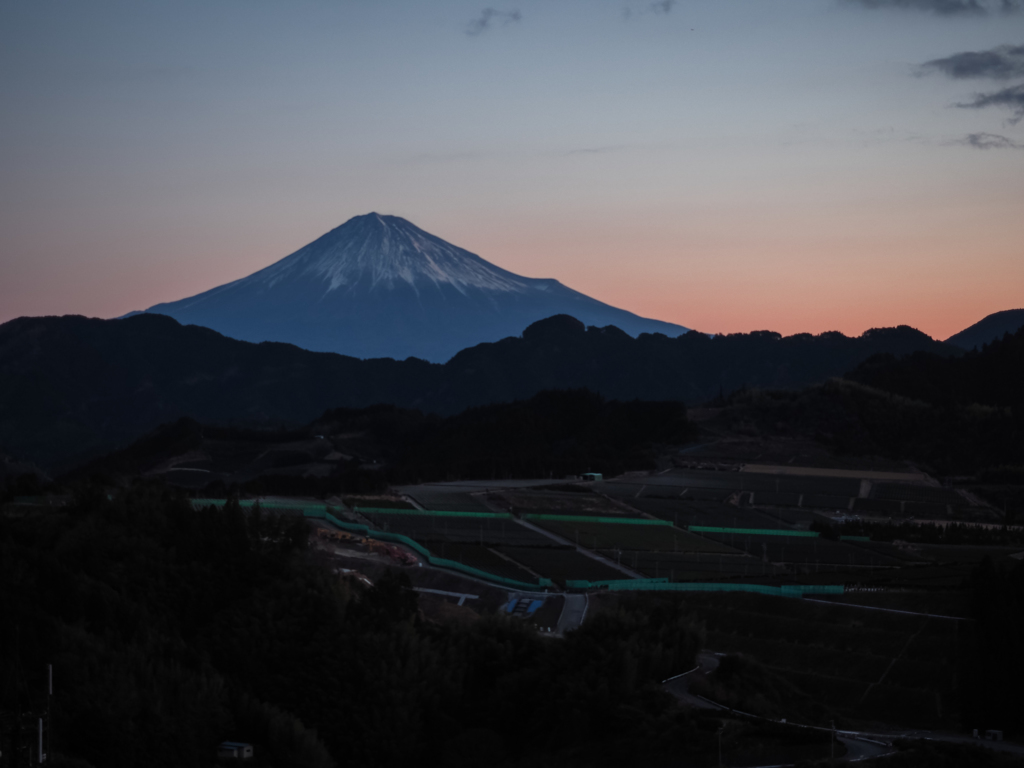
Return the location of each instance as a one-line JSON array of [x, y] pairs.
[[573, 612]]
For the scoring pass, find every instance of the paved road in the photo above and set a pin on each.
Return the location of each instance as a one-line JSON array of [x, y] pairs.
[[573, 613], [857, 749], [680, 686], [860, 745]]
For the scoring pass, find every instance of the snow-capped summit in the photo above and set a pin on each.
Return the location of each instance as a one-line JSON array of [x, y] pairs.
[[374, 251], [379, 286]]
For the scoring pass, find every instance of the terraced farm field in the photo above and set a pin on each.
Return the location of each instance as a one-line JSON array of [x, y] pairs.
[[563, 504], [685, 566], [919, 493], [683, 514], [795, 517], [559, 564], [494, 529], [826, 501], [381, 502], [447, 499], [654, 538], [925, 510], [732, 481], [483, 558], [907, 556], [804, 551], [777, 498], [942, 603], [888, 507]]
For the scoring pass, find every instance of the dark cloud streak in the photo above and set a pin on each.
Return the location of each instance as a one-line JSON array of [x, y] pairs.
[[1011, 98], [947, 7], [989, 141], [661, 6], [1000, 63], [491, 17], [595, 150]]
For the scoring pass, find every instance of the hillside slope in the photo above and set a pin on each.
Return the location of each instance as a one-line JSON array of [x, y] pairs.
[[988, 329], [73, 387]]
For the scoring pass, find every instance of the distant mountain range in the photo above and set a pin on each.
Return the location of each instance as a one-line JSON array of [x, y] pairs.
[[990, 328], [379, 286], [72, 388]]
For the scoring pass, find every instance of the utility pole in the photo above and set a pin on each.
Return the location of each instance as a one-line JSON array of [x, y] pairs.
[[833, 742], [49, 697]]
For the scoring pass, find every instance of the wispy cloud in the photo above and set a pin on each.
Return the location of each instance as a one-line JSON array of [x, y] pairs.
[[948, 7], [595, 150], [1011, 98], [490, 17], [989, 141], [1001, 63], [661, 6]]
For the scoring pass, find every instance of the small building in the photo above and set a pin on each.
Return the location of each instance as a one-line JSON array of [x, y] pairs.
[[234, 750], [994, 735], [593, 476]]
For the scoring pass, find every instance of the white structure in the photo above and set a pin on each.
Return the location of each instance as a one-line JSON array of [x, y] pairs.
[[234, 750]]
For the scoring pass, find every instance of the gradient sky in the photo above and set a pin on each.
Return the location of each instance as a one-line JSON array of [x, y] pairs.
[[729, 165]]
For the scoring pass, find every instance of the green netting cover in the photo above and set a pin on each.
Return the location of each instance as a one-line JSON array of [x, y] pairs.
[[752, 531], [437, 562], [597, 519], [662, 585], [433, 513], [323, 512]]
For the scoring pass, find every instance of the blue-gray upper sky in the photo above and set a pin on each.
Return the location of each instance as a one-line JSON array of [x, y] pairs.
[[724, 164]]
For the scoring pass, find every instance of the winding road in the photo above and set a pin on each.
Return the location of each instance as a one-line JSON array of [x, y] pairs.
[[858, 746]]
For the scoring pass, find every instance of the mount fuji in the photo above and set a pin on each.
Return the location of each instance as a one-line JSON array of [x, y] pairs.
[[379, 286]]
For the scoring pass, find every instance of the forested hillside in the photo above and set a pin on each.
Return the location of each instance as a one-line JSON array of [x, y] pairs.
[[171, 630], [990, 376], [552, 435], [72, 388]]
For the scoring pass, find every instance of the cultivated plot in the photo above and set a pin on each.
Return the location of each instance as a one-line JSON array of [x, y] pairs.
[[495, 529], [602, 535], [560, 564], [687, 566], [561, 504], [483, 558], [804, 551], [777, 498], [919, 493], [885, 507], [683, 515], [447, 499], [826, 501]]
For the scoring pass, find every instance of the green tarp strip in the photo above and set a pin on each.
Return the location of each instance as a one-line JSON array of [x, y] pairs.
[[432, 513], [644, 585], [323, 512], [753, 531], [596, 519]]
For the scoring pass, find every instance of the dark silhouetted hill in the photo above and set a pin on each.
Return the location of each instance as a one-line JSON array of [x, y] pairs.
[[552, 434], [993, 327], [950, 415], [992, 376], [72, 388]]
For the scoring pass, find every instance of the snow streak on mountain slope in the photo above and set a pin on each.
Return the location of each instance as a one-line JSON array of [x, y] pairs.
[[378, 286]]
